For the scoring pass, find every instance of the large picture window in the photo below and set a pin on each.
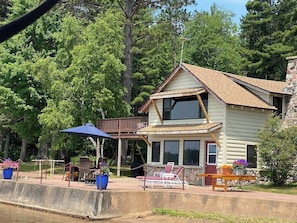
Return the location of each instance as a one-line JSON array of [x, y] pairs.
[[155, 151], [184, 107], [171, 148], [251, 156], [191, 152]]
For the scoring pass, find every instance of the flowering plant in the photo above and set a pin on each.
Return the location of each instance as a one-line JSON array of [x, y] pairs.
[[8, 163], [225, 166], [240, 164], [104, 170]]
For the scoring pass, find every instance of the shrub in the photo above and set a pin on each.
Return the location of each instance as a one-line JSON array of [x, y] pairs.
[[277, 150]]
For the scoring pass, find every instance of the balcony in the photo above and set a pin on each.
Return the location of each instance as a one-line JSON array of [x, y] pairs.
[[122, 127]]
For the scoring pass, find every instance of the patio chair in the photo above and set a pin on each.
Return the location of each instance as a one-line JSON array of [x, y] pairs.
[[84, 168], [66, 167]]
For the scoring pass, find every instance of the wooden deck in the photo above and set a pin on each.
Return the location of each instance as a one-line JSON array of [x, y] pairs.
[[125, 128]]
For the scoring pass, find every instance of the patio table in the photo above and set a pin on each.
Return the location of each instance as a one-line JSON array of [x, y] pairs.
[[226, 179]]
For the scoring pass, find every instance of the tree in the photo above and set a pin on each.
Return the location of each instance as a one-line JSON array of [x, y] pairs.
[[212, 41], [277, 150], [84, 77], [131, 8], [16, 69], [153, 55], [268, 33], [4, 4]]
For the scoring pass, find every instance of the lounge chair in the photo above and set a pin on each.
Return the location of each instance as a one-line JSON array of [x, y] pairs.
[[167, 180], [168, 169]]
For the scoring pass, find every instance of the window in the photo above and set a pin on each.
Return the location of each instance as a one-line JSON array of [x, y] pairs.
[[191, 152], [212, 154], [155, 151], [277, 102], [251, 156], [184, 107], [171, 151]]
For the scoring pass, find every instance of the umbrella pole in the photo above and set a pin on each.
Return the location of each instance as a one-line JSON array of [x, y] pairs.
[[97, 152]]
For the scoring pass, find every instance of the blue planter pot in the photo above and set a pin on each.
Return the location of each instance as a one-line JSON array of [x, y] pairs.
[[101, 182], [7, 173]]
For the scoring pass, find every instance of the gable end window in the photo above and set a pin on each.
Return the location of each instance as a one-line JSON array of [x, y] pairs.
[[277, 102], [184, 107]]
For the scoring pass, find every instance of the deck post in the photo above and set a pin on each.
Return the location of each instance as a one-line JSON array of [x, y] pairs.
[[119, 157]]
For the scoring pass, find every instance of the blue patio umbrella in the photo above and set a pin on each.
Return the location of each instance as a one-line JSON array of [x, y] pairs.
[[88, 130]]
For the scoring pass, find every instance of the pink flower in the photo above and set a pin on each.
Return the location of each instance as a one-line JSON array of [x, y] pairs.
[[8, 163]]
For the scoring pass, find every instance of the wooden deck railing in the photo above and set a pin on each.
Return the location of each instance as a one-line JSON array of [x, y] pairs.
[[122, 126]]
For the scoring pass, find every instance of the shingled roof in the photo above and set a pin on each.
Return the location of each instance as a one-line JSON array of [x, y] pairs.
[[268, 86], [225, 87]]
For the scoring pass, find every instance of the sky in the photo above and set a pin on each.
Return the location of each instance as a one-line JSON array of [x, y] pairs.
[[235, 6]]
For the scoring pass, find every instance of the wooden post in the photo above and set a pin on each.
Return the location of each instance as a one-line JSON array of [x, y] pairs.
[[17, 177], [144, 182], [70, 170], [183, 178], [40, 171], [119, 157]]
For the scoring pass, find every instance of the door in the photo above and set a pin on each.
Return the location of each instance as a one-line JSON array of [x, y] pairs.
[[210, 160]]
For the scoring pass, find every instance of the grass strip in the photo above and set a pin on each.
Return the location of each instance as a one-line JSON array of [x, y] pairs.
[[215, 217]]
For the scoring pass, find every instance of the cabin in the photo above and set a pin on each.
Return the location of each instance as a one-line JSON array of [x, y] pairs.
[[203, 118]]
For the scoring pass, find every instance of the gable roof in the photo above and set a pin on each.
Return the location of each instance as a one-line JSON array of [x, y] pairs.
[[268, 86], [220, 85]]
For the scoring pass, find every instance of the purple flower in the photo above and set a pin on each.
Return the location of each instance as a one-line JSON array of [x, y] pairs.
[[239, 164]]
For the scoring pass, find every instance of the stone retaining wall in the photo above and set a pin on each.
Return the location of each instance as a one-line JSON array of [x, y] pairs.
[[107, 204]]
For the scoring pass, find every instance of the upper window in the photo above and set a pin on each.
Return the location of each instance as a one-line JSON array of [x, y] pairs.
[[277, 102], [191, 152], [171, 148], [184, 107], [251, 156]]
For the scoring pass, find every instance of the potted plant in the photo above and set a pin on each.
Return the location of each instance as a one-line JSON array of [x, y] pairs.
[[102, 177], [239, 166], [8, 166], [226, 169]]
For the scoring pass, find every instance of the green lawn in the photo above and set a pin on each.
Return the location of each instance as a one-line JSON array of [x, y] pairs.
[[285, 189], [214, 217]]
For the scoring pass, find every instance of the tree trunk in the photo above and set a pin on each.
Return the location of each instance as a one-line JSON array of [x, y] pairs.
[[23, 150], [124, 151], [127, 76], [1, 141], [7, 139], [43, 151]]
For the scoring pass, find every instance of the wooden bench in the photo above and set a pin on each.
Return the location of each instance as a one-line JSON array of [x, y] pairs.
[[226, 179]]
